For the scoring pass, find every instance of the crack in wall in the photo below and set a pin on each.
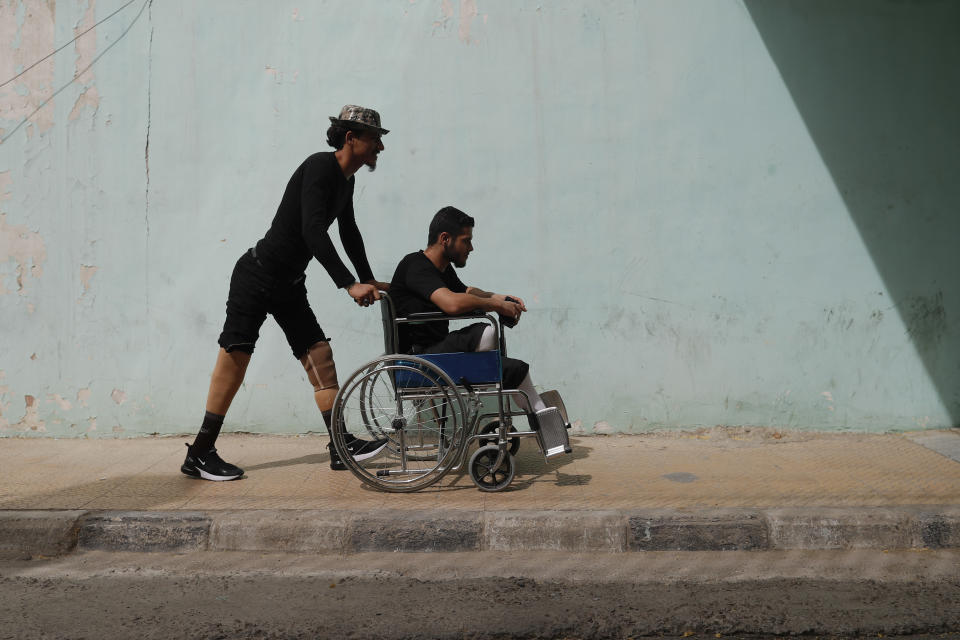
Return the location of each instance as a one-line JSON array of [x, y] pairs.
[[146, 159], [146, 150]]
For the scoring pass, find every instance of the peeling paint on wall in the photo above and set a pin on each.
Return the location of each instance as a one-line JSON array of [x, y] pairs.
[[26, 248], [446, 8], [86, 49], [83, 397], [86, 273], [829, 398], [19, 244], [278, 75], [60, 401], [29, 28], [118, 396], [468, 11], [31, 418], [602, 427], [89, 98]]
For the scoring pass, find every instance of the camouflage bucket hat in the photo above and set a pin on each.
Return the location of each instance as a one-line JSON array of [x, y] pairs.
[[354, 117]]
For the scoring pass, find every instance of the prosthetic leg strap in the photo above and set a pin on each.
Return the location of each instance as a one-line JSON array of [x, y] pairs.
[[318, 363], [320, 368]]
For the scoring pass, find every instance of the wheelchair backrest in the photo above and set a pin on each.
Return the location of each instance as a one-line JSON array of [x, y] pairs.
[[388, 313]]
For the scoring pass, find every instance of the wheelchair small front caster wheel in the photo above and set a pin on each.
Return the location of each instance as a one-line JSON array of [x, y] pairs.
[[491, 429], [483, 473]]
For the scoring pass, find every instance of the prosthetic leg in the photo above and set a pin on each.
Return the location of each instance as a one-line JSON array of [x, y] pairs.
[[322, 373]]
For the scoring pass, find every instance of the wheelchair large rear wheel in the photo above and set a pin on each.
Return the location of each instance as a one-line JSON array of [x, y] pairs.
[[415, 408]]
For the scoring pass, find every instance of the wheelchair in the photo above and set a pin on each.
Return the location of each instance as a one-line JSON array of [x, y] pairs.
[[430, 408]]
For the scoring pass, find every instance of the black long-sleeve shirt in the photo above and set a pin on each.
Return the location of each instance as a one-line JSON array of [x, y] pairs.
[[316, 195]]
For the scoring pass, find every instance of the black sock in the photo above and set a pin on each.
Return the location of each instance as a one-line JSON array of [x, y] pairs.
[[326, 421], [209, 431], [347, 437]]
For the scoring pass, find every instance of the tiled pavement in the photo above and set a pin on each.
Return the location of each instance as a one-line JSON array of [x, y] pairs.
[[715, 488], [713, 468]]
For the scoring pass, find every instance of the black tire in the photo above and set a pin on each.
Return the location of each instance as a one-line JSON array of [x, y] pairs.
[[483, 473]]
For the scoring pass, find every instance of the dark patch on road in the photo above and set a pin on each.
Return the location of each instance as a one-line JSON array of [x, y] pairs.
[[680, 476]]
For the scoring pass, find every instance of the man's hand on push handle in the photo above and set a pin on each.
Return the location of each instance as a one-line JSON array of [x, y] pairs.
[[381, 286], [363, 294]]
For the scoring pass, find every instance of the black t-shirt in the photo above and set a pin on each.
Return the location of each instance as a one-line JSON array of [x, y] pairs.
[[414, 281], [316, 195]]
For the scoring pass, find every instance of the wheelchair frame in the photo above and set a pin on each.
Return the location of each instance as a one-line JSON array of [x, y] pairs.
[[430, 419]]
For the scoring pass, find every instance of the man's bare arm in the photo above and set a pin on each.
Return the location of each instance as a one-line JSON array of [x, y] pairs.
[[480, 293], [454, 304]]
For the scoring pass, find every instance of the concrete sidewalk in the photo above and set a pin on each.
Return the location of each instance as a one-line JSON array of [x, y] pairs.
[[716, 489]]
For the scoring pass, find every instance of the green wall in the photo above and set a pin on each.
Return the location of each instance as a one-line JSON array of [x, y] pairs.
[[719, 213]]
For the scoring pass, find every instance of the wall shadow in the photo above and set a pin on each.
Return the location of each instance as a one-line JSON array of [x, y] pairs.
[[877, 84]]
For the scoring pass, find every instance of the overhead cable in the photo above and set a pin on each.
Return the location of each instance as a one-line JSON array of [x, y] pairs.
[[55, 51], [81, 72]]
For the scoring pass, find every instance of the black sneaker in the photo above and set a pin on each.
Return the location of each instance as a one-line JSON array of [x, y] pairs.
[[358, 449], [209, 466], [335, 462]]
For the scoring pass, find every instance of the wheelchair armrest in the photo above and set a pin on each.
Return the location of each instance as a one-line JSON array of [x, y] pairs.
[[439, 315]]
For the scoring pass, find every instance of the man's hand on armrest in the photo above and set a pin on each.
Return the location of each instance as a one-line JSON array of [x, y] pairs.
[[510, 298]]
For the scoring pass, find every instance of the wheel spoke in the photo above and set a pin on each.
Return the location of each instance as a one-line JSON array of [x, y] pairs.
[[371, 407]]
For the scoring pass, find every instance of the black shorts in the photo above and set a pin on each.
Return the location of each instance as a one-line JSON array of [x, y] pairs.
[[253, 294], [468, 339]]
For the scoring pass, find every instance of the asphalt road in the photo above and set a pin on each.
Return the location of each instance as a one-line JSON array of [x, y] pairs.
[[480, 595]]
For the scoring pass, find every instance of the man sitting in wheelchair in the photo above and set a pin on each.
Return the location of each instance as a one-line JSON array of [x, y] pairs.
[[426, 281]]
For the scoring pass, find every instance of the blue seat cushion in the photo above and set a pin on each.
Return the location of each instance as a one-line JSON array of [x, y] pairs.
[[480, 367]]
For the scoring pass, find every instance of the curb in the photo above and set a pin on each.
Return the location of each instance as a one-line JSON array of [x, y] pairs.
[[51, 533]]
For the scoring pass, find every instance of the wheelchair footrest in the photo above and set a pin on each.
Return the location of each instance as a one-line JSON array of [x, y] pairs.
[[552, 432], [552, 399]]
